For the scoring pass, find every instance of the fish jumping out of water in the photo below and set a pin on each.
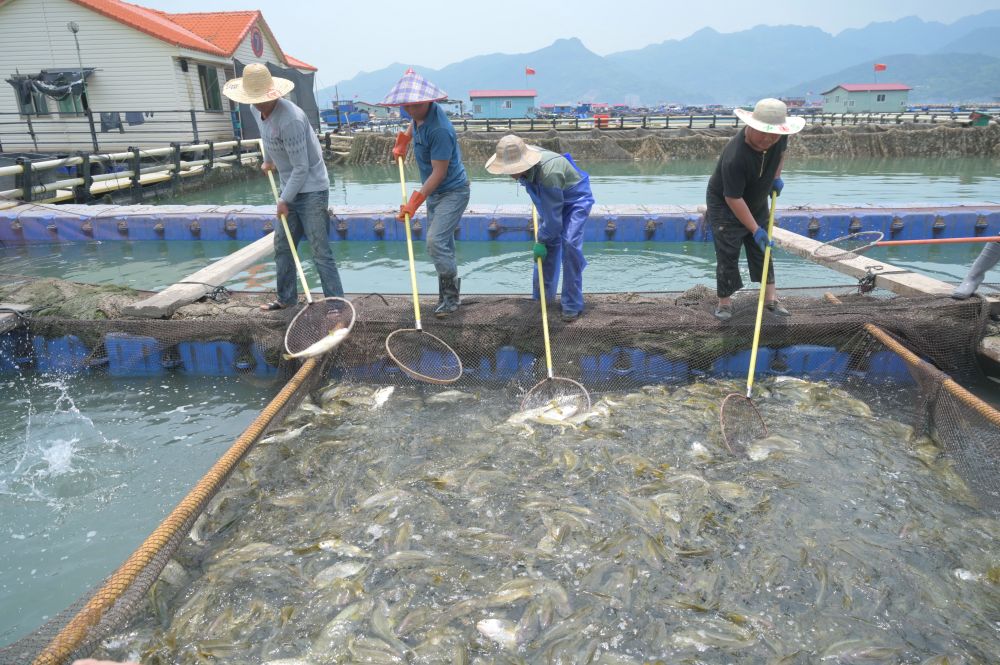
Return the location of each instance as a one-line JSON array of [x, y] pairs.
[[325, 345]]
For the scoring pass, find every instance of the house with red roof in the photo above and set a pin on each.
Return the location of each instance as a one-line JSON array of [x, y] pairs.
[[107, 74], [866, 98]]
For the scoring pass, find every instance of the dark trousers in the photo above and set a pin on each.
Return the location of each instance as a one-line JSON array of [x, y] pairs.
[[308, 215], [729, 238]]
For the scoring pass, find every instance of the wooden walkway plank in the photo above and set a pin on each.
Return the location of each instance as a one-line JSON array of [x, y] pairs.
[[166, 302]]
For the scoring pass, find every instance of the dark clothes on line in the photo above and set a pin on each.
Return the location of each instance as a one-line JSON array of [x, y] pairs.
[[110, 121], [741, 173]]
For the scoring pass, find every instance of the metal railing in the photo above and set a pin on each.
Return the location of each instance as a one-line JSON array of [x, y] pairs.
[[705, 121], [88, 129], [36, 179]]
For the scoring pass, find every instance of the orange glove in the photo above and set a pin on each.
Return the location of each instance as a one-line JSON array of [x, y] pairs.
[[410, 208], [402, 141]]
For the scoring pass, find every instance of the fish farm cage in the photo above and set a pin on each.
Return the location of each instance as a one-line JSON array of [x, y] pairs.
[[920, 351]]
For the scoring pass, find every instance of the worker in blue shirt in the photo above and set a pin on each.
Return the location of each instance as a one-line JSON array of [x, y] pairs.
[[561, 193], [445, 184]]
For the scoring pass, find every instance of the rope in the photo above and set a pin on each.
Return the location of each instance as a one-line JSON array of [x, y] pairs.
[[76, 631], [219, 293], [947, 383]]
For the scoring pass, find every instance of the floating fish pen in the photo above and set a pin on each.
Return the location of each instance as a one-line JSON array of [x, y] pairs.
[[366, 517]]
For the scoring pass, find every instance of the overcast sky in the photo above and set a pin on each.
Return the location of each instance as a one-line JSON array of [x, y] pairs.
[[344, 37]]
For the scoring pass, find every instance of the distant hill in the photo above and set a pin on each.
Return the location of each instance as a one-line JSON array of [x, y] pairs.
[[939, 78], [941, 62]]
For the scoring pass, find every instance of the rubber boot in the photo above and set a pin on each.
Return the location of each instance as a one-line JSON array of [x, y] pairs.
[[448, 288], [986, 260]]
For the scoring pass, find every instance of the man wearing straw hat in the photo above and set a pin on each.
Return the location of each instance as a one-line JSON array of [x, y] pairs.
[[445, 184], [738, 191], [292, 148], [561, 194]]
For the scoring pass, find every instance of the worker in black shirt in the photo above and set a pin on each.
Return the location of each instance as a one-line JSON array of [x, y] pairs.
[[738, 191]]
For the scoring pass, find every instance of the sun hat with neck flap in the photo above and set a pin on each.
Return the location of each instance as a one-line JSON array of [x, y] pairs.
[[256, 86], [771, 116]]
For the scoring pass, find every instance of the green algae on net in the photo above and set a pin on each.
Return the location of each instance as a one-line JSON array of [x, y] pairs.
[[405, 525]]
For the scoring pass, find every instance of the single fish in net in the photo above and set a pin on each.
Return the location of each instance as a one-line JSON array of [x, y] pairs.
[[319, 327]]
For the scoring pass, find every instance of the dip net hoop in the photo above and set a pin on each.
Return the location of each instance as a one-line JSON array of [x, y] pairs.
[[847, 247], [318, 320]]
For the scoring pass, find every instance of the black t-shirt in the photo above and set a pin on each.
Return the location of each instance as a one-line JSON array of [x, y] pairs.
[[743, 173]]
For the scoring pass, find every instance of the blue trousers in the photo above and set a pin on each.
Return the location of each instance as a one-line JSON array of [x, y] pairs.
[[309, 216], [444, 212], [566, 253]]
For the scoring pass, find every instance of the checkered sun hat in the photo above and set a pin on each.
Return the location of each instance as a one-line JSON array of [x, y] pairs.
[[413, 89]]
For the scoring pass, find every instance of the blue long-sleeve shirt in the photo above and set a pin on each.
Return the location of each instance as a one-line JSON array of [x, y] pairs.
[[290, 143]]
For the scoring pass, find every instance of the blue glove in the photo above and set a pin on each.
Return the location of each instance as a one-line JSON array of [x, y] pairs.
[[760, 237], [777, 186], [539, 251]]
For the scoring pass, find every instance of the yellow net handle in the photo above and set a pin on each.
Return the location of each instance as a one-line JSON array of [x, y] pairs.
[[409, 248], [760, 298], [541, 290], [75, 632]]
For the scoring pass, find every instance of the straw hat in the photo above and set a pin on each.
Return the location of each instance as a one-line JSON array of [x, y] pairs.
[[771, 116], [256, 86], [413, 89], [513, 156]]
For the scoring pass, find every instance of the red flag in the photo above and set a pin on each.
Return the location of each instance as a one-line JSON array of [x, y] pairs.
[[528, 71], [879, 67]]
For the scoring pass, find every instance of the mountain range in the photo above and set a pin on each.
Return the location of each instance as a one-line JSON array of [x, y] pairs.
[[943, 63]]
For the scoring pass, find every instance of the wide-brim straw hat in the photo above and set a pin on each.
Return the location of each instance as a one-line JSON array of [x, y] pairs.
[[771, 116], [413, 89], [256, 86], [513, 156]]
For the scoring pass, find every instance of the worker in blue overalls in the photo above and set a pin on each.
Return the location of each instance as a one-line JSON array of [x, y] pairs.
[[561, 193]]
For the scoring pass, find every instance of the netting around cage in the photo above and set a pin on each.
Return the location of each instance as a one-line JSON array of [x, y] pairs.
[[623, 341]]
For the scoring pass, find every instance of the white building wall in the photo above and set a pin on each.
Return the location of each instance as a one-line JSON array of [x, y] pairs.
[[244, 52], [135, 72]]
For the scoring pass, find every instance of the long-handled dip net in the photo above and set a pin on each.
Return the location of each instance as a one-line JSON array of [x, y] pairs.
[[565, 395], [322, 325], [421, 355], [741, 421], [856, 244]]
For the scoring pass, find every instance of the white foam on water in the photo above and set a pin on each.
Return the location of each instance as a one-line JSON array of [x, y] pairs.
[[59, 457]]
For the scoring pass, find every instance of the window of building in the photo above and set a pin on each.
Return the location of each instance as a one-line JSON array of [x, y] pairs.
[[477, 108], [507, 104], [837, 99], [208, 77], [851, 103], [34, 104], [73, 104], [880, 98]]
